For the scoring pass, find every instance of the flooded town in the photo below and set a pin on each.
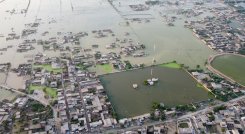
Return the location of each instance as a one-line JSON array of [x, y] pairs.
[[122, 67]]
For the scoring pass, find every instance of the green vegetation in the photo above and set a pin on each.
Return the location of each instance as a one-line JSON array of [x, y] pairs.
[[47, 90], [185, 108], [226, 94], [156, 105], [232, 66], [48, 68], [159, 108], [183, 125], [82, 66], [218, 108], [107, 68], [242, 51], [92, 90], [216, 78], [37, 107], [114, 115], [74, 121], [200, 85], [128, 65], [146, 82], [171, 65], [38, 113], [8, 95], [211, 129], [211, 116]]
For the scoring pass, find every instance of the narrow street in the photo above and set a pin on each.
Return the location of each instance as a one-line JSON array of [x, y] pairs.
[[66, 103], [85, 111]]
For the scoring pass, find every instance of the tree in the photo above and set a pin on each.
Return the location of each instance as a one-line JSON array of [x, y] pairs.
[[45, 90], [155, 105], [46, 96], [218, 108], [5, 124], [31, 91], [142, 65], [211, 117], [146, 82], [163, 116], [153, 117], [198, 66], [114, 115]]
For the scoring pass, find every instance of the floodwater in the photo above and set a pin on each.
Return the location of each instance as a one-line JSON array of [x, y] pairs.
[[175, 87], [2, 78], [8, 95], [19, 82], [56, 16], [5, 94], [232, 66], [172, 43]]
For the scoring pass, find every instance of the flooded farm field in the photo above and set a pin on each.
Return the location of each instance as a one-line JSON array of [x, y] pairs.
[[174, 87], [73, 16], [2, 78], [8, 95], [231, 65]]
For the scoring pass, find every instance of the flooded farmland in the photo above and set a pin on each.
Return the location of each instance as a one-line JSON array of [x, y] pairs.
[[121, 66], [175, 87], [2, 78], [6, 94], [48, 20], [172, 43], [232, 66]]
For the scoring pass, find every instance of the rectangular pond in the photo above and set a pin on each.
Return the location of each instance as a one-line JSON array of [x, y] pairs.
[[175, 86]]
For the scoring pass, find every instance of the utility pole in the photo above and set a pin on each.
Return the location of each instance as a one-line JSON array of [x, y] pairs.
[[153, 60]]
